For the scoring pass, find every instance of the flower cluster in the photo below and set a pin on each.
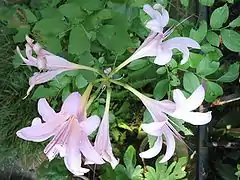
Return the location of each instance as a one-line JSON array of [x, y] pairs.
[[70, 127]]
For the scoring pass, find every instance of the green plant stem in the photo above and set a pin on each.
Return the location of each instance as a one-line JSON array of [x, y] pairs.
[[128, 87], [93, 97], [123, 64], [169, 85], [90, 69]]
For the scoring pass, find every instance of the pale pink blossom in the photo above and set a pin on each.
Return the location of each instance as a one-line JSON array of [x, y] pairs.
[[185, 106], [155, 45], [102, 142], [50, 64], [69, 128], [181, 109]]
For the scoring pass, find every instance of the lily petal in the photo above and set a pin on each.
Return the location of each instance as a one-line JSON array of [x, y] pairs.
[[88, 151], [195, 118], [90, 124], [154, 26], [196, 99], [153, 128], [179, 98], [182, 44], [155, 150], [71, 104], [163, 57], [47, 113], [38, 132], [170, 143]]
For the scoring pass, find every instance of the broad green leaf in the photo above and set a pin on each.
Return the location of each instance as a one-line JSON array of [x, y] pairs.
[[42, 92], [219, 17], [95, 19], [207, 2], [20, 36], [108, 35], [50, 12], [231, 39], [200, 33], [190, 81], [138, 3], [31, 18], [90, 5], [17, 60], [185, 2], [174, 171], [72, 11], [215, 55], [235, 22], [80, 81], [213, 38], [78, 41], [45, 27], [207, 67], [195, 59], [161, 89], [232, 73], [60, 81], [161, 70], [138, 64], [207, 48], [213, 91], [178, 124], [66, 92], [53, 44], [130, 157]]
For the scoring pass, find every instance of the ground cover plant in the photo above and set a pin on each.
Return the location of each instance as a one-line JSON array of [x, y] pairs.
[[111, 89]]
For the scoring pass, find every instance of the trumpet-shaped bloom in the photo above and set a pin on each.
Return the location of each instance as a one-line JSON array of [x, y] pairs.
[[102, 143], [69, 128], [185, 106], [181, 109], [44, 61], [154, 44]]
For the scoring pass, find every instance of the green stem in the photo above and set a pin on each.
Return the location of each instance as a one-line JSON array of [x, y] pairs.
[[126, 62], [90, 101], [169, 85], [107, 106], [128, 87], [90, 69]]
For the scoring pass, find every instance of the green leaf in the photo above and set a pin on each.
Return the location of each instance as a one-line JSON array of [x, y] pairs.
[[130, 157], [235, 22], [231, 39], [109, 34], [90, 5], [78, 41], [20, 36], [162, 171], [231, 75], [45, 27], [53, 44], [213, 91], [219, 17], [42, 92], [178, 124], [138, 64], [161, 89], [207, 2], [50, 12], [200, 33], [185, 3], [190, 81], [80, 81], [31, 18], [207, 67], [161, 70], [72, 11], [195, 59], [213, 38]]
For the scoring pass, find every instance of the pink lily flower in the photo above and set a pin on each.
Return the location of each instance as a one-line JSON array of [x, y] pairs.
[[181, 109], [154, 44], [44, 61], [69, 128], [102, 142], [184, 107]]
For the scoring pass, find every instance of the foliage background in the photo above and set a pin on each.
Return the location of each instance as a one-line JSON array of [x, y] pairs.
[[103, 34]]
